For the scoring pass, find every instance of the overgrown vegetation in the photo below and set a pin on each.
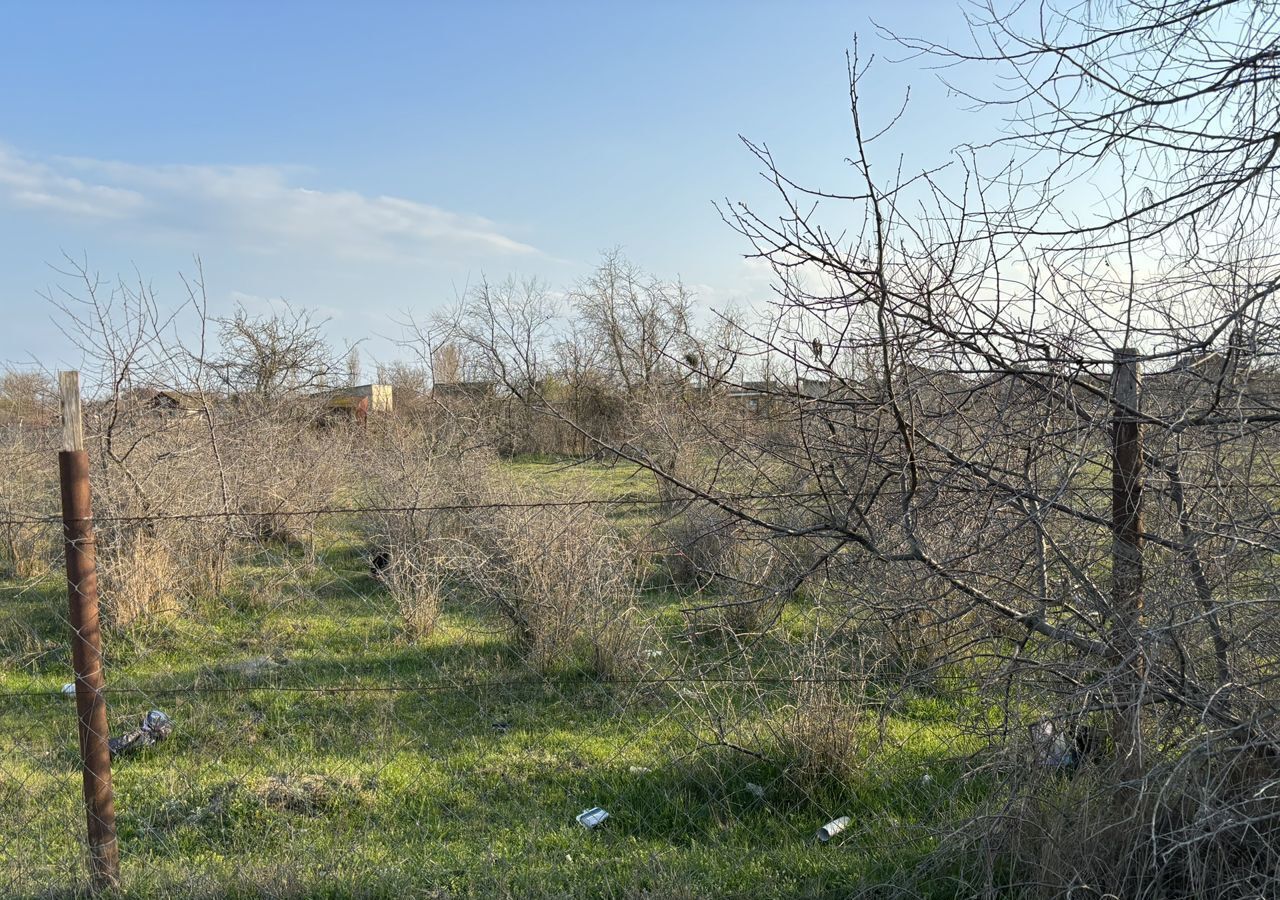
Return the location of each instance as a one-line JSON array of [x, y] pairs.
[[328, 737], [972, 540]]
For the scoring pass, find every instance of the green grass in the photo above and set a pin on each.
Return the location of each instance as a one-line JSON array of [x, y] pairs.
[[367, 765]]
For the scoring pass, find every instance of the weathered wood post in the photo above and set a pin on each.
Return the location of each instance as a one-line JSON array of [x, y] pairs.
[[86, 639], [1126, 556]]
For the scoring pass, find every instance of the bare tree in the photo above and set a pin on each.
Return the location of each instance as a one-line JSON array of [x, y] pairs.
[[502, 329], [1171, 105], [639, 323], [447, 364], [274, 354], [959, 473], [26, 398], [353, 367]]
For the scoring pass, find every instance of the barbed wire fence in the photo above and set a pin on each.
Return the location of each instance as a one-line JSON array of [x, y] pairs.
[[403, 692], [328, 697]]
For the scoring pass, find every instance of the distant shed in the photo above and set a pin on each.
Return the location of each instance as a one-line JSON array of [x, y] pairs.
[[464, 392], [178, 403], [378, 398]]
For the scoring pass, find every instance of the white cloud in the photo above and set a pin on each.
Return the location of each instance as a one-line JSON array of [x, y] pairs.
[[260, 208], [32, 185]]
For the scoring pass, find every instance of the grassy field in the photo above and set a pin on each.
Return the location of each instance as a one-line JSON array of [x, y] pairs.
[[318, 752]]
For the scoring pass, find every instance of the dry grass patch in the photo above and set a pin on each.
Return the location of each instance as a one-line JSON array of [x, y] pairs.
[[305, 793], [139, 579]]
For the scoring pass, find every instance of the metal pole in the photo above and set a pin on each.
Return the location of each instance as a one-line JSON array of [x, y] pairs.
[[1126, 553], [86, 639]]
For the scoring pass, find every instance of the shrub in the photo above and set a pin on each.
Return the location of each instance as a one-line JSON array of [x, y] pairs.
[[563, 578], [280, 467], [756, 571], [1202, 822], [818, 737], [206, 549], [748, 573], [817, 734], [138, 576], [28, 488], [701, 544], [417, 586], [416, 548], [26, 550]]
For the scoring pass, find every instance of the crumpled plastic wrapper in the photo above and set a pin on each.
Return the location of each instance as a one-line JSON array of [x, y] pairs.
[[155, 727]]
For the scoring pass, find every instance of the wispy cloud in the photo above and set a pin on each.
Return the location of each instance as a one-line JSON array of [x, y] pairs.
[[261, 208], [28, 184]]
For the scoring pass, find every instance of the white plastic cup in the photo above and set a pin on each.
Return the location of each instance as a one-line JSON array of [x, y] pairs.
[[592, 817], [832, 828]]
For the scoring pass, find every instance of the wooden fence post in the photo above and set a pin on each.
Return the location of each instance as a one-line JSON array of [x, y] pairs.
[[86, 639], [1126, 555]]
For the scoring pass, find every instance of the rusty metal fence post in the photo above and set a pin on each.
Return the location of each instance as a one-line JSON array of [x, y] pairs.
[[86, 638], [1126, 554]]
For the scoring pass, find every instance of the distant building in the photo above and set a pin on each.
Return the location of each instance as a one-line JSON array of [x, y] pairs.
[[478, 390], [762, 396], [457, 395], [378, 399], [169, 401], [178, 403]]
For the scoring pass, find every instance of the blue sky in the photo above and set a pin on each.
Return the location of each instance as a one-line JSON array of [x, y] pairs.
[[368, 159]]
